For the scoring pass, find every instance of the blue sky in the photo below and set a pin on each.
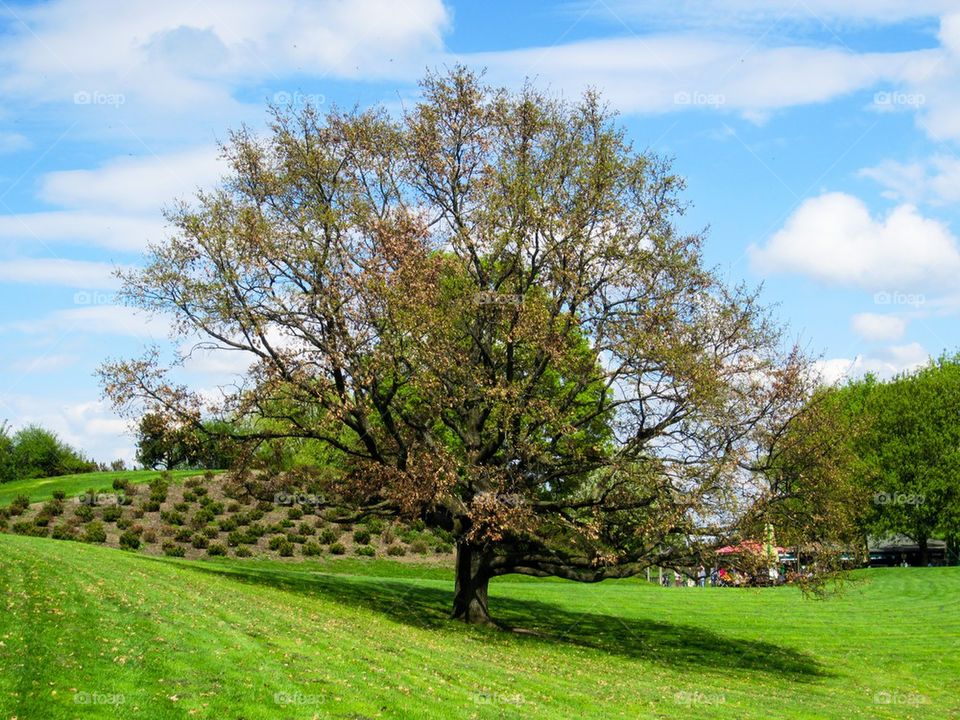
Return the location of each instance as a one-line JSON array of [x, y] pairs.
[[821, 146]]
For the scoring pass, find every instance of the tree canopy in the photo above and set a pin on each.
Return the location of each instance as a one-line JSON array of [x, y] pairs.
[[34, 452], [910, 451], [485, 309]]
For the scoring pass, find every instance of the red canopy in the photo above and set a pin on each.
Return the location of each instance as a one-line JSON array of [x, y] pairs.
[[746, 546]]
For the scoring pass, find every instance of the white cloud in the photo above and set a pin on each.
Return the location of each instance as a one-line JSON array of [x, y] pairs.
[[55, 271], [114, 231], [144, 184], [712, 13], [833, 238], [117, 205], [182, 55], [892, 361], [753, 59], [90, 426], [43, 363], [13, 142], [871, 326], [935, 180], [98, 320], [659, 73]]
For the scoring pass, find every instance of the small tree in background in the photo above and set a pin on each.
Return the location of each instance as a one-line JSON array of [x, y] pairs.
[[486, 310], [37, 452], [910, 452]]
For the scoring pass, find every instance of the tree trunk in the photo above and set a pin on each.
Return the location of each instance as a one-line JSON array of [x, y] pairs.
[[470, 593], [922, 544]]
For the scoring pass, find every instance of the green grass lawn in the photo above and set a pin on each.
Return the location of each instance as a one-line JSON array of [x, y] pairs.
[[93, 632], [40, 489]]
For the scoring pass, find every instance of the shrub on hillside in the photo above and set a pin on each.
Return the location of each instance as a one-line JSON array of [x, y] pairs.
[[419, 547], [242, 552], [286, 549], [396, 550], [227, 524], [158, 491], [361, 537], [183, 535], [95, 533], [59, 495], [305, 529], [199, 541], [112, 513], [173, 550], [311, 549], [63, 532], [328, 536], [201, 518], [375, 525], [366, 551], [337, 549], [172, 517], [129, 540], [216, 549], [149, 536], [84, 512]]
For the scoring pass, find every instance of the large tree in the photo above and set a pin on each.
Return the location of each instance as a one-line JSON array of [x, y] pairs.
[[485, 308], [910, 451]]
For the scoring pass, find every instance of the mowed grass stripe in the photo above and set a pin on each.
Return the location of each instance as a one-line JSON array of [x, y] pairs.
[[228, 639]]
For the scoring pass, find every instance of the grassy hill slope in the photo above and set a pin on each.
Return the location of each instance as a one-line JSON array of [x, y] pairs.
[[40, 489], [88, 631]]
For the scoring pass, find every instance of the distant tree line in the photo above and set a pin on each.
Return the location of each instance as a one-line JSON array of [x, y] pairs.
[[905, 434], [34, 452]]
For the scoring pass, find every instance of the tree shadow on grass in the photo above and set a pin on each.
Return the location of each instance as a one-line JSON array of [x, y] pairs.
[[667, 643]]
